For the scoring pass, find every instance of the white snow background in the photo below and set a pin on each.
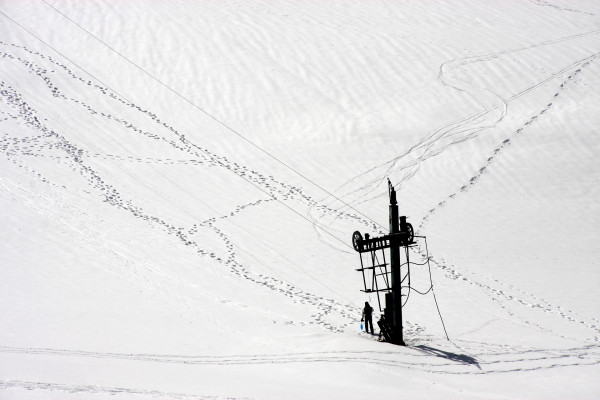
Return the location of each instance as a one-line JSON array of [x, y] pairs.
[[179, 183]]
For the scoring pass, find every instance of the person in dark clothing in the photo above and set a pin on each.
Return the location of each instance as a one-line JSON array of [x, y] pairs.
[[367, 317]]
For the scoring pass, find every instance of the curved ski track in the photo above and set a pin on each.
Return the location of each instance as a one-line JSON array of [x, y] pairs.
[[52, 144], [466, 129], [523, 298], [492, 113]]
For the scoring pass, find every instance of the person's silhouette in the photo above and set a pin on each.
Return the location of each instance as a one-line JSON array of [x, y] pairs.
[[367, 317]]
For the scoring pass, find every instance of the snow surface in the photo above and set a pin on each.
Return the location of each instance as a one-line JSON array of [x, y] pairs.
[[179, 182]]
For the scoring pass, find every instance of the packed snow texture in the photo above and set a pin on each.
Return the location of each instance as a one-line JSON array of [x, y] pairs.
[[179, 183]]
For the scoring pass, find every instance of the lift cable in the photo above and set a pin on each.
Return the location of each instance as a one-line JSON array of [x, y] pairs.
[[192, 144], [403, 279], [210, 115], [409, 285], [419, 292], [414, 263], [432, 291]]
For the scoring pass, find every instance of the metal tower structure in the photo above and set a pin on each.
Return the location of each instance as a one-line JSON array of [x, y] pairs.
[[401, 236]]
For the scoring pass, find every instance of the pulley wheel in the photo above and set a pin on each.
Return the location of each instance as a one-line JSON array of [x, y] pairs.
[[411, 233], [356, 239]]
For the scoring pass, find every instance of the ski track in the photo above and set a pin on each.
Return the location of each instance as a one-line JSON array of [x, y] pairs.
[[456, 132], [56, 146], [543, 3], [465, 128], [506, 142], [496, 359], [112, 391], [534, 301]]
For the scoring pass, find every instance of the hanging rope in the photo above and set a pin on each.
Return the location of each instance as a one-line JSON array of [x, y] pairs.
[[431, 287]]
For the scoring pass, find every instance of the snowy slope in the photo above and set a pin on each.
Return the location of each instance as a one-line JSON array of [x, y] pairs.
[[179, 182]]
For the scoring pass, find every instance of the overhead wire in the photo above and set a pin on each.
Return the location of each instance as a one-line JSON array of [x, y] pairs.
[[228, 127], [433, 291], [181, 137], [234, 131], [419, 292], [407, 275], [430, 289], [420, 264]]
